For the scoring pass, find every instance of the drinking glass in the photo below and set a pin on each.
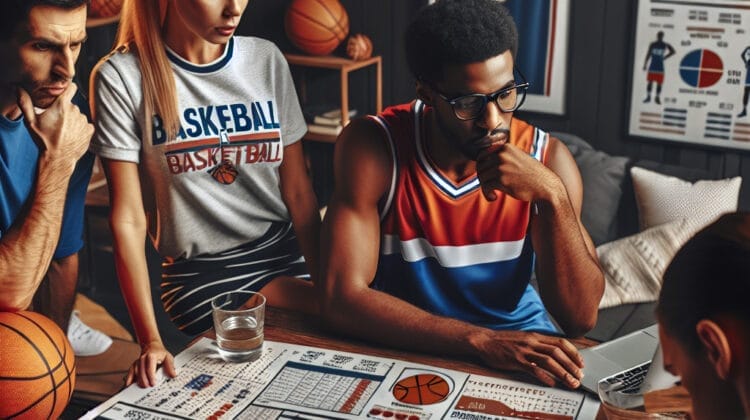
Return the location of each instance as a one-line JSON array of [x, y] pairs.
[[238, 322]]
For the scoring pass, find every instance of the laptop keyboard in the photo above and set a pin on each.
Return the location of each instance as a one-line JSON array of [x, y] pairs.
[[629, 381]]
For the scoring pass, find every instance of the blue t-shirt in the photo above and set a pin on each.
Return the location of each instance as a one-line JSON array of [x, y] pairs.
[[19, 157]]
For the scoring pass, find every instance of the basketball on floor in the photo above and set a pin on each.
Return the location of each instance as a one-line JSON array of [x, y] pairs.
[[37, 373]]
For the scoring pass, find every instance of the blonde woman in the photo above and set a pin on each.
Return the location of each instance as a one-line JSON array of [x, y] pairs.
[[199, 131]]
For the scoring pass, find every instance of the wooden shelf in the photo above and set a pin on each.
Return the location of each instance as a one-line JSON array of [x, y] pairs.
[[344, 66]]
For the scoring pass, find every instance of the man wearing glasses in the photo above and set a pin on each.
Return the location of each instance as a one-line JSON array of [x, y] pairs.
[[443, 206]]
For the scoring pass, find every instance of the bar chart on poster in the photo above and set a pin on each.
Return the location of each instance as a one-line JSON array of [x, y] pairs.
[[292, 381], [691, 72]]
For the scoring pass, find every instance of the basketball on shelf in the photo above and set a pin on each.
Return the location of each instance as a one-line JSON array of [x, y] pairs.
[[100, 9], [37, 372], [359, 47], [316, 27]]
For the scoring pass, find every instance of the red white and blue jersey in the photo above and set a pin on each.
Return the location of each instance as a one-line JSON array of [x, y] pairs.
[[444, 247]]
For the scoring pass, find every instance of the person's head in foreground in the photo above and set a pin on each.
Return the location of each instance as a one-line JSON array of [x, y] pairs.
[[704, 318]]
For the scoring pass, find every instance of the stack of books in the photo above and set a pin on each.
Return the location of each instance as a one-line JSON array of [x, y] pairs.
[[327, 122]]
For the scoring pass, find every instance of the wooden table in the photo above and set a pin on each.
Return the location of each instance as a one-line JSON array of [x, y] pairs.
[[295, 328], [291, 327]]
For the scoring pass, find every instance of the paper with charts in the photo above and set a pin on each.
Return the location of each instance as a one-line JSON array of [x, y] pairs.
[[291, 381]]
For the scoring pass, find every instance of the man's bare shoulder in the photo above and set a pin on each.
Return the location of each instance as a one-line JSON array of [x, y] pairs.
[[365, 134], [363, 161]]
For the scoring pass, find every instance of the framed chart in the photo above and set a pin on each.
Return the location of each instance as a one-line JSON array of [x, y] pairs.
[[691, 72]]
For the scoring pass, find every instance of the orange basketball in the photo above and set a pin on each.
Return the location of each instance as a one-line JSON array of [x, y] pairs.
[[316, 27], [422, 389], [37, 367], [225, 172]]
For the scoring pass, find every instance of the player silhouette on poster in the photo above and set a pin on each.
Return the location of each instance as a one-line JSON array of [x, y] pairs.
[[746, 58], [657, 52]]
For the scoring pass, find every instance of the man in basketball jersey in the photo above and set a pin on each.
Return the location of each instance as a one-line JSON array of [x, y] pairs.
[[657, 53], [746, 59], [443, 207], [704, 319], [44, 171]]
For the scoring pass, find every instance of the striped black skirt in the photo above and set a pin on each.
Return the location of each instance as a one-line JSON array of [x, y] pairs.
[[189, 285]]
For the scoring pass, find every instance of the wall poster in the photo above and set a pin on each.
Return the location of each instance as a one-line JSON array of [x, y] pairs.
[[691, 72], [542, 51]]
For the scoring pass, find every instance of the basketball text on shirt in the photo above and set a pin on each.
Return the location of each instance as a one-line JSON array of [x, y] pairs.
[[237, 132]]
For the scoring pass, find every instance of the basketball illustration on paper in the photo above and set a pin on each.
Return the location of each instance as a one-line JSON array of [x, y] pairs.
[[422, 387]]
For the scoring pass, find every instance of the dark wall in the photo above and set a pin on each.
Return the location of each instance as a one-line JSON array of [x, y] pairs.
[[598, 75], [382, 20]]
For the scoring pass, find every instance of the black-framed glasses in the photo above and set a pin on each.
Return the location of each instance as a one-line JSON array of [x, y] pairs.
[[471, 107]]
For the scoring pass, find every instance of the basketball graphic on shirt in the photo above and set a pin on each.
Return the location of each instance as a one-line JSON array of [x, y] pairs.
[[421, 389], [225, 172]]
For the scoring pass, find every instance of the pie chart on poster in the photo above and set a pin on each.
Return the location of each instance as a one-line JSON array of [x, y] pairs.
[[701, 68], [421, 389]]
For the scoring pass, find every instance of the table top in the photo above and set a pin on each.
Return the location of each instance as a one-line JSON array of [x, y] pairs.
[[304, 330], [296, 328]]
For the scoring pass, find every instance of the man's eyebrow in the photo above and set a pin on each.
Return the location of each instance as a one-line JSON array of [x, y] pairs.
[[55, 42]]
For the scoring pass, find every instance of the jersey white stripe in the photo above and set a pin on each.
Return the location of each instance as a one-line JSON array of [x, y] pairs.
[[394, 171], [452, 256], [540, 144]]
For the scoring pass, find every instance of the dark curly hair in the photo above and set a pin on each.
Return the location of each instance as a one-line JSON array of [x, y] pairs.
[[458, 32], [16, 12], [710, 275]]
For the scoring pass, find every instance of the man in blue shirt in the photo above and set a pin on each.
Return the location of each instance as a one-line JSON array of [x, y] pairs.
[[44, 168]]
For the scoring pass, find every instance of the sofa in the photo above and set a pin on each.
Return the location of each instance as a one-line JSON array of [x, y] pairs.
[[615, 209]]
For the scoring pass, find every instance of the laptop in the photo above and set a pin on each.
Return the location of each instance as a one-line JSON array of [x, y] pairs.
[[624, 362]]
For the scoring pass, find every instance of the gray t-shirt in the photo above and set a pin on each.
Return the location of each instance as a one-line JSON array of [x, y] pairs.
[[241, 107]]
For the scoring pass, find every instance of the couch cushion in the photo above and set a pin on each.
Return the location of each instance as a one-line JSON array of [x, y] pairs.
[[663, 198], [622, 319], [602, 187], [633, 266], [627, 215]]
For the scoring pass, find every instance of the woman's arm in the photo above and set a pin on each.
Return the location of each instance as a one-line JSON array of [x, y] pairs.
[[128, 223], [298, 194]]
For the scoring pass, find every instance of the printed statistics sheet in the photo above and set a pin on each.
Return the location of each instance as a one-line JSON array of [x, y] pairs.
[[302, 382]]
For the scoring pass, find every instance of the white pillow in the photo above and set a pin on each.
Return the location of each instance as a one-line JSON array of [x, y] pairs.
[[633, 266], [663, 198]]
